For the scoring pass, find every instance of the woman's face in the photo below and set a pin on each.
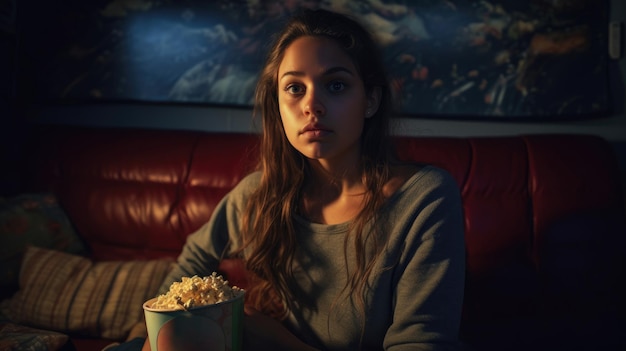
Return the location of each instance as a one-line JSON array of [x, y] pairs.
[[322, 100]]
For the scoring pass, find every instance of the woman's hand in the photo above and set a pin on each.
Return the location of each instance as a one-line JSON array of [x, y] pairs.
[[262, 332]]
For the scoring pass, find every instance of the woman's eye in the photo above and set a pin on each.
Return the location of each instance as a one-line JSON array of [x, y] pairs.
[[336, 86], [294, 89]]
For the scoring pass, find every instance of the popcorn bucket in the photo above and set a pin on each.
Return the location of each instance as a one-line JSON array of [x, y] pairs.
[[212, 327]]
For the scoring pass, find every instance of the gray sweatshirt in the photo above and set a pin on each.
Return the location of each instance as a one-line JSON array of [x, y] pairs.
[[416, 291]]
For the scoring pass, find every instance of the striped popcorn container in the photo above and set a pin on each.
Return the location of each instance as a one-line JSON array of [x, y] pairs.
[[211, 327]]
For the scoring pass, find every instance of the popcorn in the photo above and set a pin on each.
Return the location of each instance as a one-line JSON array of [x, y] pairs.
[[196, 291]]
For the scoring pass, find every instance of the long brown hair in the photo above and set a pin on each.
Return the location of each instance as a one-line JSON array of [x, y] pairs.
[[269, 230]]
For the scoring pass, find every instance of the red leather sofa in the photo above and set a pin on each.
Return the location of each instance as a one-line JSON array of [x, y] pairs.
[[544, 219]]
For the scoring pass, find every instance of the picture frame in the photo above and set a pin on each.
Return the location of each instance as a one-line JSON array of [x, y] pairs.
[[515, 60]]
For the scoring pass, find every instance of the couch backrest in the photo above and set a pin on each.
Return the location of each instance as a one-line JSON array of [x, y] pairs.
[[137, 193], [527, 199], [544, 214]]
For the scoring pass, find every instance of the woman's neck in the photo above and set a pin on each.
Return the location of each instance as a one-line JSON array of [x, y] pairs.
[[333, 195], [342, 179]]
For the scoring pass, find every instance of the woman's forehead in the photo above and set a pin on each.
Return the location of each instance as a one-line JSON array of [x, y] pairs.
[[315, 54]]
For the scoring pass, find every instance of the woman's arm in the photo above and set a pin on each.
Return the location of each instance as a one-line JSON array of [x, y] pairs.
[[216, 238], [431, 273]]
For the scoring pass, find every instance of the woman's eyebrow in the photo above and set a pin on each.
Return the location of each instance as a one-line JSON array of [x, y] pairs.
[[329, 71]]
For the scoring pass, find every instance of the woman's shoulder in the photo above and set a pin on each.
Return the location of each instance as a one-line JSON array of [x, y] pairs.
[[246, 186], [419, 177], [251, 180], [435, 174]]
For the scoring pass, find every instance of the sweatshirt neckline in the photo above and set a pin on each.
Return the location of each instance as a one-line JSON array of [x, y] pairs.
[[339, 228]]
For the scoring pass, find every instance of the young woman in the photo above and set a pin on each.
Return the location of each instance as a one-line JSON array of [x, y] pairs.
[[349, 248]]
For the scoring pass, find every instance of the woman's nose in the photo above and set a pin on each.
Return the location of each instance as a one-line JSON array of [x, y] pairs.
[[313, 105]]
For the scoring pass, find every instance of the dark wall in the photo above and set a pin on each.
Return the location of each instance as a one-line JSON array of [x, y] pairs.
[[11, 126]]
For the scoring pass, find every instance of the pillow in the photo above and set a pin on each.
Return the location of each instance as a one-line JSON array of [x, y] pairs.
[[17, 337], [72, 294], [31, 219]]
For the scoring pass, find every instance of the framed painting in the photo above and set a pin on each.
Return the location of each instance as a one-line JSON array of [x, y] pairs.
[[515, 59]]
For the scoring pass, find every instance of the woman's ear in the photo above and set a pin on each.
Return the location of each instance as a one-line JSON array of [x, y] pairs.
[[373, 101]]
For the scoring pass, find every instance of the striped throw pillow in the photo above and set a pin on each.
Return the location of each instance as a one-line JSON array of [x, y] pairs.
[[72, 294]]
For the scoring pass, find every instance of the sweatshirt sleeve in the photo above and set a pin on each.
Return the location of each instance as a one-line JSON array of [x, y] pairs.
[[204, 248], [429, 279]]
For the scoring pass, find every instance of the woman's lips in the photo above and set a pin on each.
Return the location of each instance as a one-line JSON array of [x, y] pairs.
[[315, 130], [316, 133]]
